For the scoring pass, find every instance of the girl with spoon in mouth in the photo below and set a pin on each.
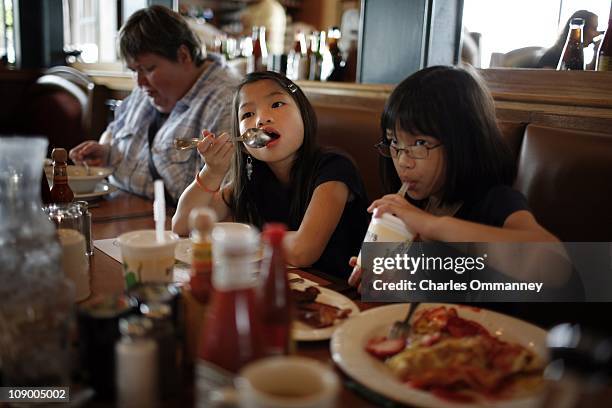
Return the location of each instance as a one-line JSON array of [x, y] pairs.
[[317, 193]]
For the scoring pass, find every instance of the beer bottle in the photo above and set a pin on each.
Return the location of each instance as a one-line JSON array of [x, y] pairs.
[[604, 57], [61, 191], [572, 56]]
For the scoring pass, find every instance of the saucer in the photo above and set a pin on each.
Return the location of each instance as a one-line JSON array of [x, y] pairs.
[[102, 189]]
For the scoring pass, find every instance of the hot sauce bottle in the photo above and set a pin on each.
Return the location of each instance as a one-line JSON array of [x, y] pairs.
[[231, 333], [60, 192], [201, 221], [275, 300]]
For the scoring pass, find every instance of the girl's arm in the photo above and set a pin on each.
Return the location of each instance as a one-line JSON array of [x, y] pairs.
[[519, 258], [305, 246], [520, 226], [217, 153]]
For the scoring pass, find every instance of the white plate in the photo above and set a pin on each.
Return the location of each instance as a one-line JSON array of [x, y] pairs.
[[303, 332], [102, 189], [348, 351]]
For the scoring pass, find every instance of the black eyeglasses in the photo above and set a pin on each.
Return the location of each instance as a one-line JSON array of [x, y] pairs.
[[417, 152]]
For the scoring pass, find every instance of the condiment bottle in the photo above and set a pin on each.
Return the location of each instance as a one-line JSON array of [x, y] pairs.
[[275, 300], [136, 359], [61, 191], [201, 222], [572, 56], [579, 369], [163, 333], [231, 334]]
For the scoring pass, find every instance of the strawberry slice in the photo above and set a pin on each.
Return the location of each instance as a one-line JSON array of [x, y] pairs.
[[383, 347]]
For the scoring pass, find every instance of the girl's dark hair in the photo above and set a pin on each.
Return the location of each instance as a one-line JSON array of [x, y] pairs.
[[161, 31], [452, 105], [242, 200]]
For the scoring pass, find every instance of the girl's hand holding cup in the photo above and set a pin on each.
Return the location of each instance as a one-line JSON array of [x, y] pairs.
[[416, 220]]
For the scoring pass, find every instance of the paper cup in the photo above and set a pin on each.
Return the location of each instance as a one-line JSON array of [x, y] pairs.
[[145, 259], [287, 382], [387, 228]]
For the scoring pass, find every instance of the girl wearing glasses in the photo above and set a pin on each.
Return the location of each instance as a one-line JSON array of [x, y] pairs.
[[440, 138]]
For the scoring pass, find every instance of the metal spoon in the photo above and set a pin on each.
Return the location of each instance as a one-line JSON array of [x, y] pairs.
[[402, 329], [87, 169], [253, 137]]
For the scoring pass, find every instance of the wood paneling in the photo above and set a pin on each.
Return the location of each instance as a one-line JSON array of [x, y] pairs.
[[575, 100]]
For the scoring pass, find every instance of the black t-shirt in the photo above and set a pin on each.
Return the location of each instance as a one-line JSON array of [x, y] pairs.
[[273, 201], [494, 207]]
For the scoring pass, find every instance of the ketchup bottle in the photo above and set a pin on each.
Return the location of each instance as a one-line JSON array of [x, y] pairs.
[[275, 300], [231, 333]]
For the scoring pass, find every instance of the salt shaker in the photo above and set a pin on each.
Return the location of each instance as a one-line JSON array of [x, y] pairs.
[[136, 362]]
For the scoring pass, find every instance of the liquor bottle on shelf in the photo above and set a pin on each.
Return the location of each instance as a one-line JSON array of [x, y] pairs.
[[296, 60], [275, 296], [337, 59], [572, 56], [316, 58], [231, 333], [604, 56], [258, 61], [61, 192]]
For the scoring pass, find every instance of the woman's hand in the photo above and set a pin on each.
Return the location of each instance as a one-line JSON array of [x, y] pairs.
[[216, 152], [417, 221], [92, 152]]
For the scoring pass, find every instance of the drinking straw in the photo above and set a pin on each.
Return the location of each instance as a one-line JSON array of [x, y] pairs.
[[403, 189], [159, 210]]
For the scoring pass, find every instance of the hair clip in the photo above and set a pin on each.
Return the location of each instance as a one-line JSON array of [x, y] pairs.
[[292, 87]]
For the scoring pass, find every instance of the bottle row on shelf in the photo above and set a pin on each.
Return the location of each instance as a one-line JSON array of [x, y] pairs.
[[316, 56]]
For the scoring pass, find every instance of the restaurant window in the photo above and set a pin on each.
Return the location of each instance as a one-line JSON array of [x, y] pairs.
[[7, 33], [90, 26], [505, 26]]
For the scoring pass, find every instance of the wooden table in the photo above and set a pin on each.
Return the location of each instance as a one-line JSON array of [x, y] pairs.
[[122, 212]]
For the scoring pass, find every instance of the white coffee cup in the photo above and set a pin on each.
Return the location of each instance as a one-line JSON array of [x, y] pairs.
[[145, 259], [387, 228], [284, 382], [74, 261]]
